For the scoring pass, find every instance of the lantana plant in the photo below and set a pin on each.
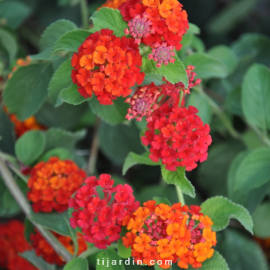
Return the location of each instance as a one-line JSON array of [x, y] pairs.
[[132, 64]]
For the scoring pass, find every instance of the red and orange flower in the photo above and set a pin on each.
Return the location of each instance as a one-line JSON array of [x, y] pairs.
[[43, 248], [107, 66], [12, 242], [159, 24], [52, 183], [159, 232]]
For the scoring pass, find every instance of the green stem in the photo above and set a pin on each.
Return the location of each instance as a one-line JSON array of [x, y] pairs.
[[180, 195], [84, 14], [94, 250], [91, 168], [262, 136], [219, 112], [12, 163], [25, 206]]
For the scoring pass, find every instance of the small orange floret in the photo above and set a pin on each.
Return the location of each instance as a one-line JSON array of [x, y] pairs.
[[142, 212], [52, 183]]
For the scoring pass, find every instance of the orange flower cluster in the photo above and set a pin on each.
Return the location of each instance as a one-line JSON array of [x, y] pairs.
[[43, 249], [113, 3], [52, 183], [107, 66], [12, 242], [159, 233]]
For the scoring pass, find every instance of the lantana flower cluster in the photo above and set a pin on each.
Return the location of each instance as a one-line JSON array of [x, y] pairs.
[[52, 183], [42, 247], [101, 218], [159, 24], [159, 232], [12, 242], [176, 135], [107, 66]]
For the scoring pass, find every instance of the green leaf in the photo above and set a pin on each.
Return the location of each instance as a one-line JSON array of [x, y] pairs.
[[255, 96], [162, 200], [220, 157], [30, 146], [157, 79], [116, 142], [250, 199], [226, 55], [261, 220], [62, 153], [194, 29], [252, 44], [57, 222], [233, 101], [230, 17], [9, 43], [122, 250], [133, 159], [217, 262], [221, 210], [206, 66], [251, 172], [65, 116], [72, 96], [59, 138], [205, 110], [77, 264], [111, 19], [173, 72], [14, 13], [8, 205], [61, 79], [26, 90], [179, 179], [53, 32], [37, 261], [7, 139], [241, 252], [111, 260], [29, 228], [70, 41], [111, 114]]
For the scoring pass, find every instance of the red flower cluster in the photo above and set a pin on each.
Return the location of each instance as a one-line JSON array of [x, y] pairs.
[[159, 232], [43, 249], [101, 218], [159, 24], [52, 183], [150, 97], [178, 137], [107, 66], [12, 242]]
